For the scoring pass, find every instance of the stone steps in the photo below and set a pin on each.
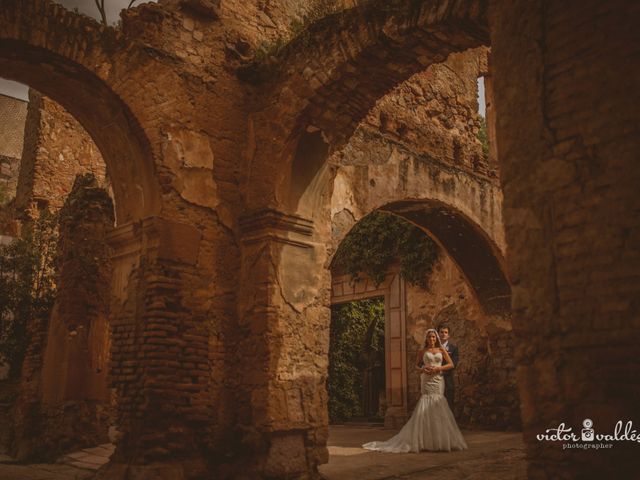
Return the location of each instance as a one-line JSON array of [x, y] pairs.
[[88, 458]]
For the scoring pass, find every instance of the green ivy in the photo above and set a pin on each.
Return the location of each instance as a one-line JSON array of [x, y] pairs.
[[378, 240], [27, 287], [483, 137], [357, 328], [297, 27], [4, 195]]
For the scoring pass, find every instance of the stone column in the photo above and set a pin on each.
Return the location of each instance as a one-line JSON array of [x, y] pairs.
[[75, 397], [64, 402], [566, 91], [159, 363], [284, 319]]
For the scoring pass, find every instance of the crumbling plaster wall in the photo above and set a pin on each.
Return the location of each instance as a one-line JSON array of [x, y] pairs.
[[56, 149], [569, 170], [420, 142], [208, 284], [13, 113]]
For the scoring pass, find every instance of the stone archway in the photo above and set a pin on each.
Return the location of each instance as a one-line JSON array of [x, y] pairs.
[[359, 55], [392, 289], [77, 63], [107, 119], [475, 254], [469, 274], [287, 249]]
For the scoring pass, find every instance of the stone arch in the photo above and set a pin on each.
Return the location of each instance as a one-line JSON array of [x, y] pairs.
[[70, 59], [332, 74], [476, 254]]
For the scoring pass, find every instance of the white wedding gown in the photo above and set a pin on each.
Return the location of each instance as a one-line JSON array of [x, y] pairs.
[[432, 425]]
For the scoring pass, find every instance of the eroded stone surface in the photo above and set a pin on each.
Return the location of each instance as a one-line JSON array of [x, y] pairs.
[[211, 347]]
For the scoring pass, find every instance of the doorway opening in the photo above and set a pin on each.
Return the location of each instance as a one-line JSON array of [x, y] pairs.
[[356, 381]]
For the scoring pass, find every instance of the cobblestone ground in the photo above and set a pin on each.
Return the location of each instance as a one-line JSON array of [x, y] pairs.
[[43, 472], [494, 455], [78, 465]]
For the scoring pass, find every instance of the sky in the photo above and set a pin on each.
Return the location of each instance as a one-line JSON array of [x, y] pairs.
[[88, 7], [482, 106]]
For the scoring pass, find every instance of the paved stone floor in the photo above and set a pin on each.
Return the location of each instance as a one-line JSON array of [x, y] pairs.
[[494, 455]]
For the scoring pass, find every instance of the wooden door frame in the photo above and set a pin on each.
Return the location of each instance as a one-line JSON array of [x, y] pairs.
[[392, 289]]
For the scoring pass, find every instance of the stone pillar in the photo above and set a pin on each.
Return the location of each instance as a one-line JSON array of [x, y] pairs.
[[566, 91], [64, 402], [75, 397], [159, 363], [284, 319]]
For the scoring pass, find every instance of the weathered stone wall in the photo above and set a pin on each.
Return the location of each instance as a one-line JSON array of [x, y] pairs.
[[56, 149], [13, 113], [435, 115], [569, 168], [64, 401], [75, 397], [200, 143], [428, 158], [421, 142], [486, 391]]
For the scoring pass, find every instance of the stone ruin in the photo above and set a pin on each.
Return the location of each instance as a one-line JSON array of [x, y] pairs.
[[242, 140]]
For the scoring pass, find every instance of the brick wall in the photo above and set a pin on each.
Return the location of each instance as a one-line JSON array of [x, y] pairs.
[[57, 148], [13, 114], [565, 84], [64, 402]]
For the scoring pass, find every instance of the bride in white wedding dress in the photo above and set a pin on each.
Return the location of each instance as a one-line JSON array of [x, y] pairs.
[[432, 425]]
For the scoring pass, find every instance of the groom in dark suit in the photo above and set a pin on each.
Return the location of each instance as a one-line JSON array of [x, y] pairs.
[[449, 385]]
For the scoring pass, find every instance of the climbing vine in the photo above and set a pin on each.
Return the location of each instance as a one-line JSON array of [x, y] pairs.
[[483, 137], [378, 240], [298, 29], [27, 287], [356, 344]]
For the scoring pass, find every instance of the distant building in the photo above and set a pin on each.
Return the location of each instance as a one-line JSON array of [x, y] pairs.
[[13, 114]]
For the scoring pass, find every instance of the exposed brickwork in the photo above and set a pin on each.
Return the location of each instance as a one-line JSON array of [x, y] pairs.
[[64, 402], [223, 196], [568, 164], [56, 149], [13, 113]]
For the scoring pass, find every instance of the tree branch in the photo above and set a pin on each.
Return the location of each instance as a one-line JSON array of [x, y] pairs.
[[103, 15]]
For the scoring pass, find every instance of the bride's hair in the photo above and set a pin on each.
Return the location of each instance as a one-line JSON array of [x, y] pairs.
[[426, 338]]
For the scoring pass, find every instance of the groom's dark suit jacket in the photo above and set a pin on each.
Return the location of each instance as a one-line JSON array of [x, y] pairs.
[[453, 353], [449, 385]]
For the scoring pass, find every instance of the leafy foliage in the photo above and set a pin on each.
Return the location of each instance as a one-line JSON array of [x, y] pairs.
[[483, 137], [356, 328], [4, 196], [27, 287], [380, 238], [298, 29]]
